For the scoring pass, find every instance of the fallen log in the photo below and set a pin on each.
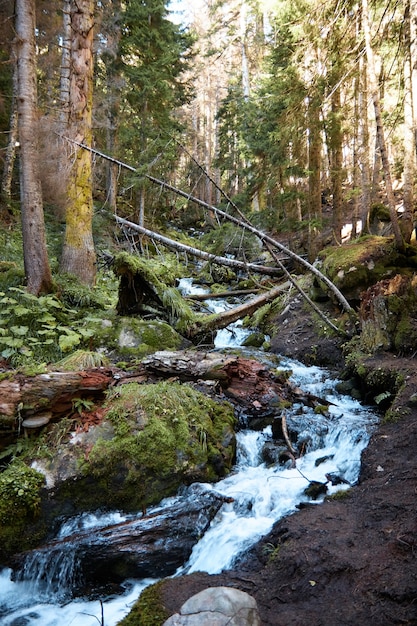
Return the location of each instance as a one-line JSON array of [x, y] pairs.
[[201, 254], [221, 295], [215, 322], [154, 545], [22, 397], [242, 223]]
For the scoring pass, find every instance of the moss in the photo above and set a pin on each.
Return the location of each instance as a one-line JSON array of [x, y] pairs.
[[148, 610], [20, 498], [165, 434], [355, 266], [342, 494]]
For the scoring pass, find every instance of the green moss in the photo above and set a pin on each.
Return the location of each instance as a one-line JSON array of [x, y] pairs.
[[342, 494], [148, 610], [20, 499], [165, 434]]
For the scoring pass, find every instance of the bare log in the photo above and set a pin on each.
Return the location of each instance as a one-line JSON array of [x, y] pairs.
[[221, 295], [201, 254], [221, 320]]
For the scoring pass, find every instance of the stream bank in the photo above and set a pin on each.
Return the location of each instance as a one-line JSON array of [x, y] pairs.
[[349, 561]]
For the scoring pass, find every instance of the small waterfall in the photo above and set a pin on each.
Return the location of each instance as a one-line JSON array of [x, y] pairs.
[[51, 575], [234, 334]]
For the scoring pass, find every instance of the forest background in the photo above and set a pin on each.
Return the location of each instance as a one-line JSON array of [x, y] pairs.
[[301, 112]]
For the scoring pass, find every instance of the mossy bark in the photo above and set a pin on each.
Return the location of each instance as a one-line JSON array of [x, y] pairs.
[[78, 255]]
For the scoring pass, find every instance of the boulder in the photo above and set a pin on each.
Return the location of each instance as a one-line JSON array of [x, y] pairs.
[[217, 606]]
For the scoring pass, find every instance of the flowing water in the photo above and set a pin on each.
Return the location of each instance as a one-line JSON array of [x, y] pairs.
[[261, 495]]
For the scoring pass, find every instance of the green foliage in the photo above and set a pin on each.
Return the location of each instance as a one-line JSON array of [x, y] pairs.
[[42, 329], [19, 492]]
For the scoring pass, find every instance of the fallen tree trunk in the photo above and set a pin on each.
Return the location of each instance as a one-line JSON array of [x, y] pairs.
[[207, 256], [221, 295], [153, 546], [22, 397], [221, 320]]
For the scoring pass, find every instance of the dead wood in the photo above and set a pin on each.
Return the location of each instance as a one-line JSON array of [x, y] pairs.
[[221, 295], [285, 434], [22, 397], [207, 256], [221, 320]]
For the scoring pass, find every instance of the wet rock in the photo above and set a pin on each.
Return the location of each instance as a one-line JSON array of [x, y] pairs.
[[217, 606]]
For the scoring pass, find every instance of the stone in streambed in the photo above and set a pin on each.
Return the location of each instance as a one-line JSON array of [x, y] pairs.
[[217, 606]]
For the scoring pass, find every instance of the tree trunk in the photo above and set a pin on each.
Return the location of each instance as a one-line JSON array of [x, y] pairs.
[[78, 255], [413, 62], [380, 127], [314, 178], [10, 156], [38, 274], [336, 164], [364, 146], [51, 392], [154, 545], [409, 149]]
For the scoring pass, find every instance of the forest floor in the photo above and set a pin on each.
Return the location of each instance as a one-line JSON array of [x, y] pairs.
[[346, 562]]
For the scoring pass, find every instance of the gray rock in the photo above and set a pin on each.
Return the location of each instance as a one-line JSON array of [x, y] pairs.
[[217, 606]]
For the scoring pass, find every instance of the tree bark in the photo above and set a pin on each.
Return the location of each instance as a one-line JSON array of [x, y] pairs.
[[380, 127], [54, 392], [10, 156], [154, 545], [78, 255], [38, 274], [409, 148]]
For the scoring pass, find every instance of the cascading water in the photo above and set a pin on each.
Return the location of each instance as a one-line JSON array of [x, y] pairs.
[[260, 495]]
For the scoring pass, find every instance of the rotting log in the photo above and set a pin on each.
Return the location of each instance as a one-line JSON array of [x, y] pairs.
[[24, 396], [249, 385]]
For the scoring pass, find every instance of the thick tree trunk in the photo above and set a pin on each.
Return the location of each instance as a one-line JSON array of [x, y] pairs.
[[10, 156], [78, 255], [38, 274], [154, 545]]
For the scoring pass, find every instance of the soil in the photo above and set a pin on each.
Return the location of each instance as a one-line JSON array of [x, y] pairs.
[[345, 562]]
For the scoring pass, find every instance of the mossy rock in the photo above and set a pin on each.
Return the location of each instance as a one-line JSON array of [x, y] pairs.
[[154, 438], [135, 337], [388, 316], [356, 266]]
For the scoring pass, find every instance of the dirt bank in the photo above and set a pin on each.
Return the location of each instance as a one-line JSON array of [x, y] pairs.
[[346, 562]]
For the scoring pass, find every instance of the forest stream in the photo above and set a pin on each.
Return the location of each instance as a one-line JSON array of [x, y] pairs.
[[256, 494]]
